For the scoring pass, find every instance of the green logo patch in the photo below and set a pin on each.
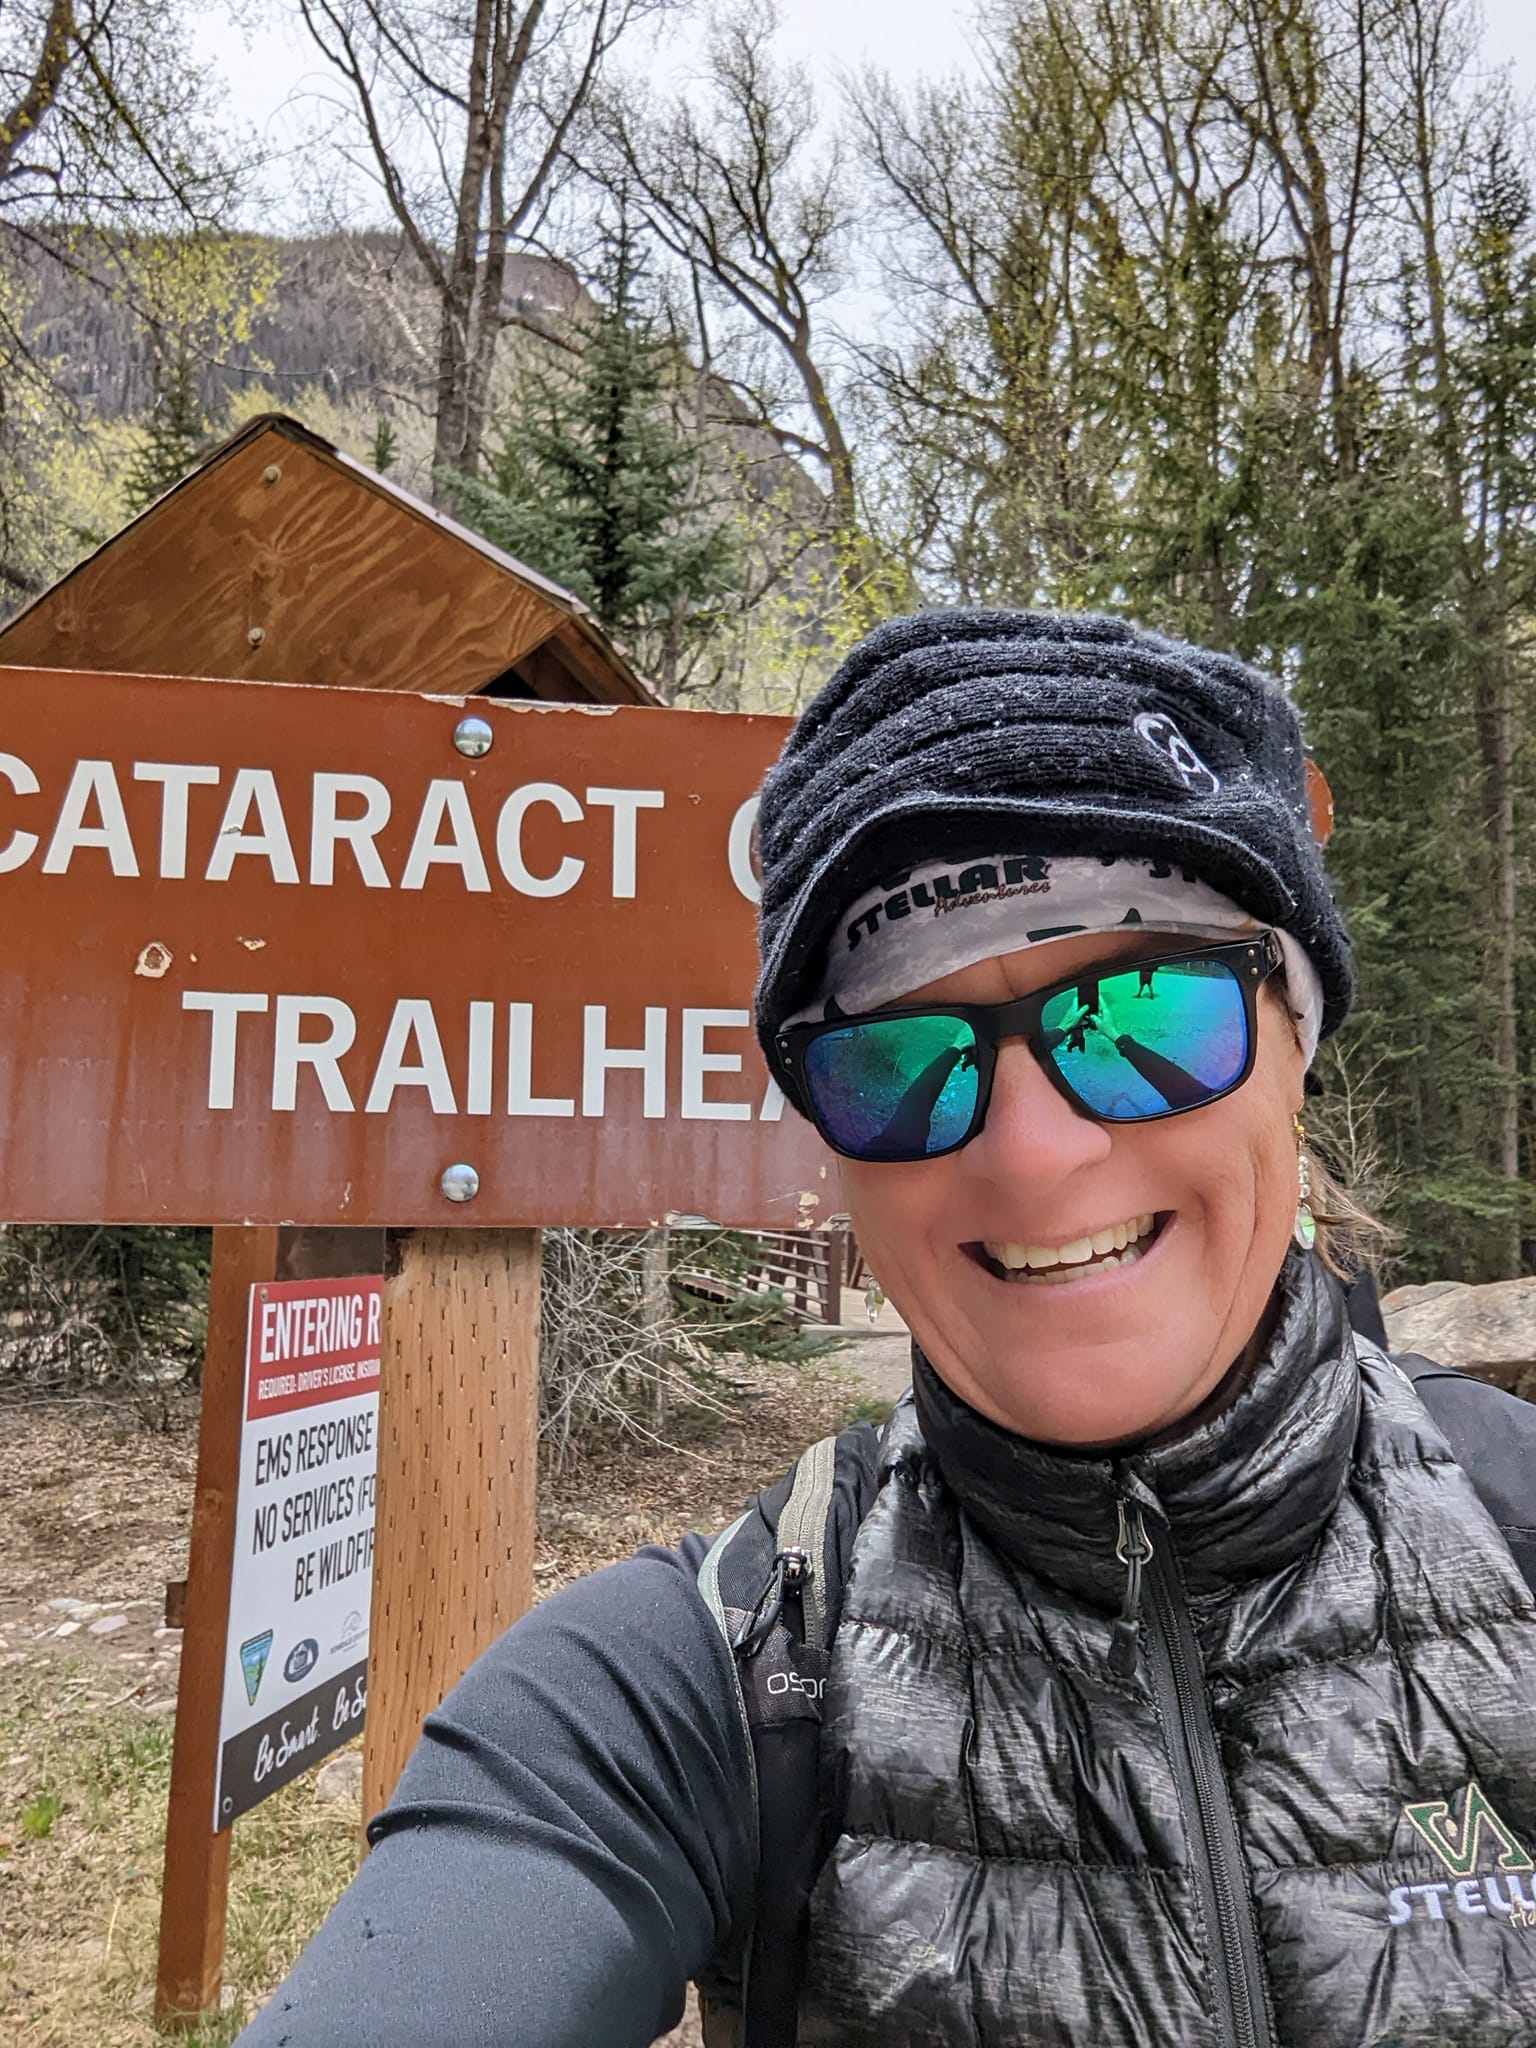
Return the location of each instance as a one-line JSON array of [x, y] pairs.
[[1460, 1847]]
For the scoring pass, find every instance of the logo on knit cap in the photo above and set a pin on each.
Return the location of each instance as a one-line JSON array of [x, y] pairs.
[[1164, 737]]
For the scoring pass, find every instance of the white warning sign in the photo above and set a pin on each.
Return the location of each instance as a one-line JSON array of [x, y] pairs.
[[296, 1658]]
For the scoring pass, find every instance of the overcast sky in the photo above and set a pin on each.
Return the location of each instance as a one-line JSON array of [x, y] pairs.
[[264, 65], [267, 68]]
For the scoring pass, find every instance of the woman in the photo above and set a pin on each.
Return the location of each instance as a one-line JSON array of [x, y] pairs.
[[1181, 1683]]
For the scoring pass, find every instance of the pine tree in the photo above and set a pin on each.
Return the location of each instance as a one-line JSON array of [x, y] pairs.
[[595, 481], [197, 296], [384, 446], [1177, 353], [177, 430]]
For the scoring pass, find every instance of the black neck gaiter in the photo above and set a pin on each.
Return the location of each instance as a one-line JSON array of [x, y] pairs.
[[1243, 1491]]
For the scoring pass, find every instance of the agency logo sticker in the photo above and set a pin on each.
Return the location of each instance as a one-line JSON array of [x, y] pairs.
[[1164, 737], [254, 1653], [302, 1659], [353, 1630], [1483, 1858]]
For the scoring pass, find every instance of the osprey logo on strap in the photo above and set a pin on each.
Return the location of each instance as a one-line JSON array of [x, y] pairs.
[[1479, 1838]]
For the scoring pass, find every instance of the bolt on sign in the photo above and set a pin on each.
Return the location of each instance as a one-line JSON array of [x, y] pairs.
[[296, 1652], [282, 954]]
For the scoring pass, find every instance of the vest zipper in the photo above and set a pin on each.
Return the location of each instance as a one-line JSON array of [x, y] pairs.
[[1220, 1871], [1133, 1550]]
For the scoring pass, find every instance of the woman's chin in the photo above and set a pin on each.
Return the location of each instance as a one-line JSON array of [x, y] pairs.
[[1067, 1401], [1098, 1361]]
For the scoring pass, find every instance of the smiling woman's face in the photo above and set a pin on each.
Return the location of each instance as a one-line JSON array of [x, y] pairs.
[[1103, 1356]]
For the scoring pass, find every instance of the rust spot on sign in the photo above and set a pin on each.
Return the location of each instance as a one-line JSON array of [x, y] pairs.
[[153, 961]]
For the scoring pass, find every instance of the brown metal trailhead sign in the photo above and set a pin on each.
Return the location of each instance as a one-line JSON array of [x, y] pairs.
[[281, 954]]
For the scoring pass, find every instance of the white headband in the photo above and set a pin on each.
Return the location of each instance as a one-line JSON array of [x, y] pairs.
[[949, 915]]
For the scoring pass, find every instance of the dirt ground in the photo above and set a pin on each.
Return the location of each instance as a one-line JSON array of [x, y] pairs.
[[94, 1515]]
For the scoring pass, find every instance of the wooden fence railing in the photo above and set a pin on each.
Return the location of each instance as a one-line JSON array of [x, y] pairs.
[[809, 1267]]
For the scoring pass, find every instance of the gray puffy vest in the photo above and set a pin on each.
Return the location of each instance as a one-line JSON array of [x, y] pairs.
[[1230, 1741]]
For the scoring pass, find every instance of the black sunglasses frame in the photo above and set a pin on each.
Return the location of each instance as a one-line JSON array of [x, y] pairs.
[[1251, 960]]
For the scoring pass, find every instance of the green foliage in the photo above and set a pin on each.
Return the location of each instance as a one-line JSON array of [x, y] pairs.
[[176, 308], [1362, 582], [381, 453], [751, 1321], [111, 136], [873, 1408], [199, 298], [596, 480], [83, 1900], [176, 433], [87, 1305], [1169, 361], [39, 1815]]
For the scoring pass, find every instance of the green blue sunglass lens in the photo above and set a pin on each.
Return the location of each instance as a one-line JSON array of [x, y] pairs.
[[1150, 1039], [895, 1088]]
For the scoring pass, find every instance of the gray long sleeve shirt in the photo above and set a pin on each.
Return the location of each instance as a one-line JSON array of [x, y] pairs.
[[568, 1846]]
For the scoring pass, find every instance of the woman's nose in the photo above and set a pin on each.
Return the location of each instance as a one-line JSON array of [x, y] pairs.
[[1032, 1132]]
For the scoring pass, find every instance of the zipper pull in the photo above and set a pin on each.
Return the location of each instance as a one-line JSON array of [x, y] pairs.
[[789, 1574], [1134, 1549]]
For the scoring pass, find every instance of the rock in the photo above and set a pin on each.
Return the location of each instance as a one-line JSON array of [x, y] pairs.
[[1489, 1331], [66, 1628], [341, 1777], [76, 1608], [109, 1624]]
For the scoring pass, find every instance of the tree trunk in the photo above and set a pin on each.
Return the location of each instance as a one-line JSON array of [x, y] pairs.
[[456, 325], [1506, 939], [655, 1305]]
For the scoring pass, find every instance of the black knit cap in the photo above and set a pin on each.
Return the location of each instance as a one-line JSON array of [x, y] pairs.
[[955, 734]]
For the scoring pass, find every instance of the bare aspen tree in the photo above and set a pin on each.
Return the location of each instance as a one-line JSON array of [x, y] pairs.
[[112, 153], [733, 178], [104, 123], [464, 118]]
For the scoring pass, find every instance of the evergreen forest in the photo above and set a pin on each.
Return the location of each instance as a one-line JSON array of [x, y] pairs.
[[1220, 314]]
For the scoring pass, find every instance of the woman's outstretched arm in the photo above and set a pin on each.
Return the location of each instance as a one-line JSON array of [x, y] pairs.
[[570, 1843]]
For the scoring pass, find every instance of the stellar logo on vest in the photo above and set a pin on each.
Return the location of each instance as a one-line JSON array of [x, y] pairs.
[[1459, 1848]]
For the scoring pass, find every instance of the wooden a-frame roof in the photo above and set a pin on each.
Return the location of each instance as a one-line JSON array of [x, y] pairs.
[[281, 559]]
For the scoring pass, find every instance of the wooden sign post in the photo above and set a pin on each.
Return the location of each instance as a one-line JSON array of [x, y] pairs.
[[459, 1417], [363, 962], [195, 1890]]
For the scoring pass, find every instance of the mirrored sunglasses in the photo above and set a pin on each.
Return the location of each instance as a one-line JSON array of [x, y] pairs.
[[1142, 1040]]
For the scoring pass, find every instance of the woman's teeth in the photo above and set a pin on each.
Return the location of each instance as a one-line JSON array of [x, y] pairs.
[[1119, 1246]]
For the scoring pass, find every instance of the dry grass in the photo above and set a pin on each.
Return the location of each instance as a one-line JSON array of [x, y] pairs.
[[92, 1507], [82, 1830]]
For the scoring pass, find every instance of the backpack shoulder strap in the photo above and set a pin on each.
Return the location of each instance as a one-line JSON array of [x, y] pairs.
[[1493, 1437], [774, 1584]]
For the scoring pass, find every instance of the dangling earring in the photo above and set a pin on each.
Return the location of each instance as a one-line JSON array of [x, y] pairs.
[[1304, 1229], [874, 1298]]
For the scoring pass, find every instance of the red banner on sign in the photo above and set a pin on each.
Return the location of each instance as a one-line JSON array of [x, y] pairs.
[[311, 1341]]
